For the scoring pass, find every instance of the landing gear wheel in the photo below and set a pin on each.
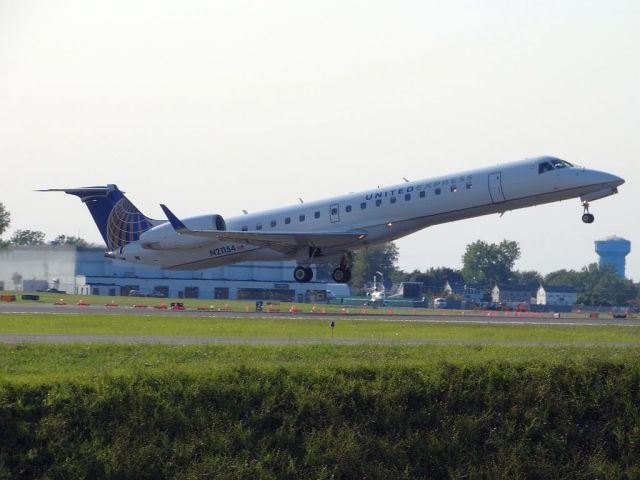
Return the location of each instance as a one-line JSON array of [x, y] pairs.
[[302, 274], [588, 218], [341, 275]]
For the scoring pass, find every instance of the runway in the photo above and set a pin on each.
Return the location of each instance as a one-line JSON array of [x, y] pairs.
[[469, 317]]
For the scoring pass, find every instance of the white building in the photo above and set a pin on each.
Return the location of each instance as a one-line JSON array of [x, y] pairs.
[[557, 296], [86, 271]]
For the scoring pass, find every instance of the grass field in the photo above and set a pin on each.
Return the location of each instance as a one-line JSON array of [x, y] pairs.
[[295, 328], [36, 363], [448, 343]]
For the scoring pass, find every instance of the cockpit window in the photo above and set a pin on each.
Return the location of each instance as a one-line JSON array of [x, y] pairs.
[[544, 167], [560, 164], [552, 164]]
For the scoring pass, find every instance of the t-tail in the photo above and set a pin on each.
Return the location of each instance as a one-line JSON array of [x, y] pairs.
[[118, 220]]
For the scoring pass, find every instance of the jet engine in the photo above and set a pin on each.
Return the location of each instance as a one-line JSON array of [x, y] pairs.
[[164, 236]]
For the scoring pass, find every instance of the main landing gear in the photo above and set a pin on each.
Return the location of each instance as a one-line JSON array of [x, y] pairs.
[[342, 274], [302, 274], [587, 217]]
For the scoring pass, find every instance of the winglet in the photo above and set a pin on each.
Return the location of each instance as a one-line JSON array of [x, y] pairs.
[[177, 225]]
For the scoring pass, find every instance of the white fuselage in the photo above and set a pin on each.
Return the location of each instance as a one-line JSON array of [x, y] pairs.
[[385, 214]]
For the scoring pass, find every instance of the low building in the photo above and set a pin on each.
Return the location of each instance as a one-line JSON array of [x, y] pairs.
[[86, 271], [551, 295], [511, 294], [471, 292]]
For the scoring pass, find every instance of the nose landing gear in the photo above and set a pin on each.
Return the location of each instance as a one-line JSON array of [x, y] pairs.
[[586, 216]]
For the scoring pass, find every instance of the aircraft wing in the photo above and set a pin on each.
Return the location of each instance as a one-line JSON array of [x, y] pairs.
[[281, 241]]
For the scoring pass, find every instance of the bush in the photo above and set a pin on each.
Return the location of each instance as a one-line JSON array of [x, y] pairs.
[[492, 420]]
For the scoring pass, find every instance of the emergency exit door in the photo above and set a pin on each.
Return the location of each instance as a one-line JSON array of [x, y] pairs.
[[334, 213], [495, 187]]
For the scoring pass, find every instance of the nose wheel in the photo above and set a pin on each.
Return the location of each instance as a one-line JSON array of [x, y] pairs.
[[586, 216]]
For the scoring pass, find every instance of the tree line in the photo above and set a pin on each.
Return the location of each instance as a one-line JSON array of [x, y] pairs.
[[33, 237]]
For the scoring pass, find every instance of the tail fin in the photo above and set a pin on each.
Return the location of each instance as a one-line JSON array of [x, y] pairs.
[[118, 220]]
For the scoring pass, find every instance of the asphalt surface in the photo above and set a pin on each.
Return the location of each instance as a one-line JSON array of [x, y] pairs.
[[468, 317]]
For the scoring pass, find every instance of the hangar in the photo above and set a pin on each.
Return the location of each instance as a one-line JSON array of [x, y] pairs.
[[86, 271]]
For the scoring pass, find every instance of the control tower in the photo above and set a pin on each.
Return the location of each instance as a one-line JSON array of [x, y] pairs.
[[613, 251]]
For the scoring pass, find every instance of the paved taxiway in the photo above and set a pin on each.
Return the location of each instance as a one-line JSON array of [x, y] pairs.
[[468, 317]]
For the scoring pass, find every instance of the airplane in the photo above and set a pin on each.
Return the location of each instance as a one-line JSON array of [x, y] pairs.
[[377, 295], [330, 230]]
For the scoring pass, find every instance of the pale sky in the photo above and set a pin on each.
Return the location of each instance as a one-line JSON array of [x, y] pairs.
[[215, 107]]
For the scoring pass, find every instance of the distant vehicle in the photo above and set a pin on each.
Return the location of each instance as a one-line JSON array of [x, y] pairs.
[[55, 290], [330, 230], [136, 293], [440, 303], [157, 294], [330, 296]]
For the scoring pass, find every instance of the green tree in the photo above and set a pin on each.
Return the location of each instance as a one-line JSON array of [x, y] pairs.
[[27, 237], [598, 286], [5, 221], [64, 240], [5, 218], [380, 258], [434, 278], [529, 278], [488, 263], [563, 278]]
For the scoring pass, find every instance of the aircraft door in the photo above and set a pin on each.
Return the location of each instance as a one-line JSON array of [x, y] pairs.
[[495, 187], [334, 213]]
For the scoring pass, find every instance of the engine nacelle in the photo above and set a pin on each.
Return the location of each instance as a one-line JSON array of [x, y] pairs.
[[164, 237]]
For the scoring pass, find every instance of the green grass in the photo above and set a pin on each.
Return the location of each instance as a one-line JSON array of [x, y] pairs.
[[439, 420], [316, 328], [34, 363]]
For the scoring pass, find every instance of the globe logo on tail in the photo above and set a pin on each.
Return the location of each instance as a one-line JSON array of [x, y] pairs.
[[125, 224]]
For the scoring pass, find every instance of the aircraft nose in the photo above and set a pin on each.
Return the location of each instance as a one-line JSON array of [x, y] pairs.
[[614, 180], [608, 179]]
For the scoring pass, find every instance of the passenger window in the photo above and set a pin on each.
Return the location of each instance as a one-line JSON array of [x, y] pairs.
[[316, 215], [423, 194], [273, 223], [348, 208], [334, 211], [392, 199], [544, 167], [407, 197], [363, 206], [469, 185], [378, 202], [245, 228], [287, 220], [259, 226], [454, 188], [302, 217], [438, 191]]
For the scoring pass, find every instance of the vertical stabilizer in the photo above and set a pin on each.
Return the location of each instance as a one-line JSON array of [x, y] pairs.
[[118, 220]]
